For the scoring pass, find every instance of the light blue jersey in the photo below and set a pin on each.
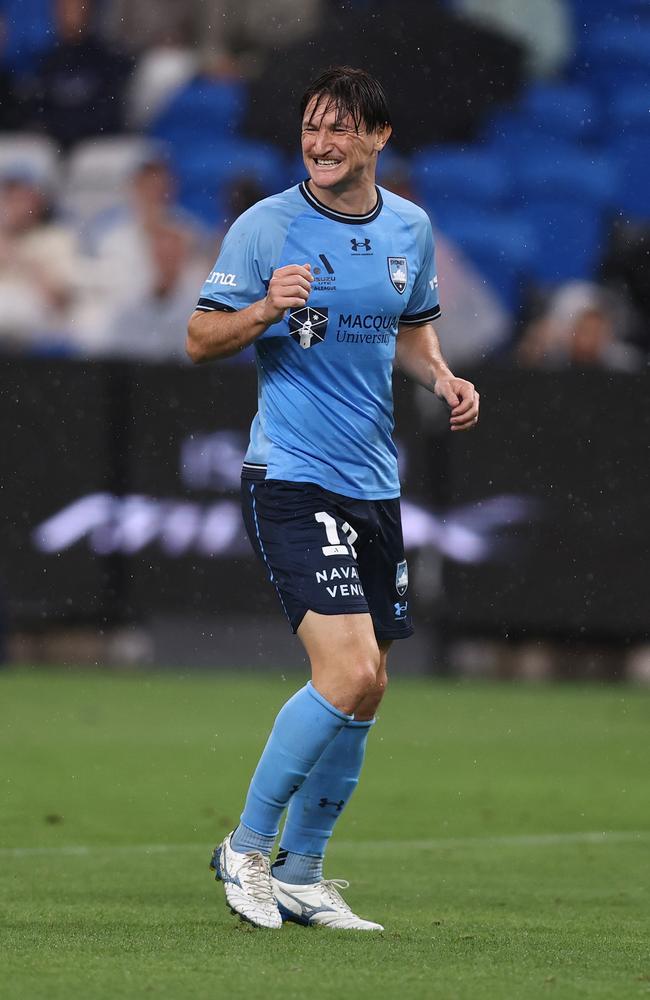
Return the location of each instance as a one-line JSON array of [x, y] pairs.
[[325, 402]]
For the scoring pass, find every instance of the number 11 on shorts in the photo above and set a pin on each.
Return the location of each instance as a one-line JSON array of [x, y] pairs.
[[335, 546]]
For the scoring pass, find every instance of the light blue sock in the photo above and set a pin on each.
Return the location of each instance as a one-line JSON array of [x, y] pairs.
[[315, 808], [304, 727]]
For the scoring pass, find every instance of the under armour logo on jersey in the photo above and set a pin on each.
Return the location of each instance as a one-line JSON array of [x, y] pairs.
[[359, 245], [308, 326], [400, 610]]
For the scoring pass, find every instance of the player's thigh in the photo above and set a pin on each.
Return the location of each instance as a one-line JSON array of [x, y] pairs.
[[344, 656], [303, 540], [384, 572]]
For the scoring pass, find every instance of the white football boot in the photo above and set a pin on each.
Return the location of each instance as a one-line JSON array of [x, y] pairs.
[[247, 882], [320, 904]]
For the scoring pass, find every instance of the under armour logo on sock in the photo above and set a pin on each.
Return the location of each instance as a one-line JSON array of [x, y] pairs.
[[337, 805]]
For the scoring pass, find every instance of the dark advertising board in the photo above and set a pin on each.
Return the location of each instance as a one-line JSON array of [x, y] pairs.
[[120, 499], [575, 447]]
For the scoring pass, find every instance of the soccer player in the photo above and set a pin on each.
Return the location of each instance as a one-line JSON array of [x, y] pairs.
[[332, 280]]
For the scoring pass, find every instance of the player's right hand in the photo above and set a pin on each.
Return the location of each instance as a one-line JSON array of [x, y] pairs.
[[289, 288]]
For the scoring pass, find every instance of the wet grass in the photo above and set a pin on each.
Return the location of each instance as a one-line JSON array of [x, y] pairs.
[[501, 834]]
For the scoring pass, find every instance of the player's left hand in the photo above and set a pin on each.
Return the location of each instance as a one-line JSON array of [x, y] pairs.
[[462, 399]]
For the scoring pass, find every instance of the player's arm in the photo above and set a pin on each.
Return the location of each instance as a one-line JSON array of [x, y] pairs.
[[220, 334], [419, 356]]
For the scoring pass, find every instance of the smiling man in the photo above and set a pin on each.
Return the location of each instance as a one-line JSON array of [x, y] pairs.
[[331, 280]]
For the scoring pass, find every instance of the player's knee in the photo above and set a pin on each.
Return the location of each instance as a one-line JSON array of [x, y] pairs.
[[363, 677]]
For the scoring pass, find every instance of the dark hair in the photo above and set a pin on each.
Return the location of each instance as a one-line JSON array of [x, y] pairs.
[[353, 93]]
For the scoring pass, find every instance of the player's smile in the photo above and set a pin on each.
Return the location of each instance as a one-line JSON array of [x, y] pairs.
[[340, 158]]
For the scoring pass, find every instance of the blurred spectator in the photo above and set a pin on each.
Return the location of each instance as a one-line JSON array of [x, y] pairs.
[[474, 324], [120, 267], [244, 30], [152, 326], [77, 89], [121, 237], [159, 74], [38, 258], [543, 27], [626, 269], [146, 24], [582, 328], [251, 30]]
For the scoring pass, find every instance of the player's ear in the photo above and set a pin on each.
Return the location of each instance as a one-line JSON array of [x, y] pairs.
[[382, 136]]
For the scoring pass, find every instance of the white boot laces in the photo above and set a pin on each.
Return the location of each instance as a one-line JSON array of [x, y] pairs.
[[256, 873], [330, 890]]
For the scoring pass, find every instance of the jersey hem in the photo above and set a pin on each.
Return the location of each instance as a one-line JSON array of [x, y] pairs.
[[258, 473]]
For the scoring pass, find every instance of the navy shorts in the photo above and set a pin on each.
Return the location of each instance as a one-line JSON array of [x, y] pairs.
[[328, 553]]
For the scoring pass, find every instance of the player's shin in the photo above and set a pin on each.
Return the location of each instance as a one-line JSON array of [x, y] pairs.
[[316, 807], [303, 729]]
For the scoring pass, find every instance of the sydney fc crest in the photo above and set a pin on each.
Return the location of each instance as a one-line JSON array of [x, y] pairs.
[[308, 326], [399, 273], [402, 578]]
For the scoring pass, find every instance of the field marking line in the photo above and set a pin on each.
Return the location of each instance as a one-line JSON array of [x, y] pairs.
[[434, 844]]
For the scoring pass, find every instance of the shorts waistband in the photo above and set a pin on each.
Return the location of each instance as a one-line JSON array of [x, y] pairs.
[[254, 471]]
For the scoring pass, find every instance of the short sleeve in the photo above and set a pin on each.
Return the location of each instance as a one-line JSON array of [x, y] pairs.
[[424, 305], [243, 269]]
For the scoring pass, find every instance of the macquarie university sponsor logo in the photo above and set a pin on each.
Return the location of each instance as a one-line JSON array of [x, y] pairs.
[[399, 273], [308, 326], [366, 328], [401, 578], [221, 278]]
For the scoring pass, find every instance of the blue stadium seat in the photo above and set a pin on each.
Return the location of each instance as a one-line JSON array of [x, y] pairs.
[[570, 239], [613, 54], [29, 31], [571, 174], [565, 110], [632, 153], [502, 245], [629, 111], [207, 174], [470, 173], [203, 111]]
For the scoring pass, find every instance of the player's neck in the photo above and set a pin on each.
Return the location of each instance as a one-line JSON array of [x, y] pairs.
[[359, 200]]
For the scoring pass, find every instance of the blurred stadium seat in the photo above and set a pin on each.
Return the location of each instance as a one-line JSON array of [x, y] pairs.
[[97, 172], [632, 154], [570, 239], [202, 111], [629, 110], [615, 53], [503, 246], [207, 173], [468, 174], [571, 174], [563, 110]]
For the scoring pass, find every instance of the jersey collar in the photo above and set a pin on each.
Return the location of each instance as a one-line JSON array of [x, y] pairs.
[[329, 213]]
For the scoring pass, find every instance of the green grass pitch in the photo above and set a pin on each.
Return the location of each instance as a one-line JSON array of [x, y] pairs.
[[501, 833]]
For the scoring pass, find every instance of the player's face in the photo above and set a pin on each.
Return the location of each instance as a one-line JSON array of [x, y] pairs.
[[337, 156]]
